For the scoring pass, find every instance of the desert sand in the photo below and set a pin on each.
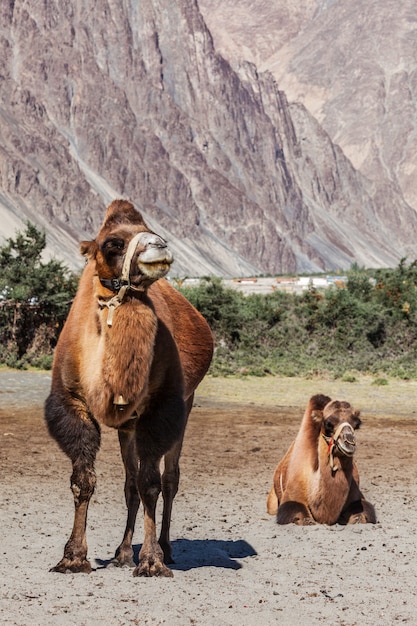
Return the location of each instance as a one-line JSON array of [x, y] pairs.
[[234, 565]]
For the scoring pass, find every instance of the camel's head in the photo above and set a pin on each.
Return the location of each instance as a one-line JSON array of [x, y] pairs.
[[338, 421], [126, 251]]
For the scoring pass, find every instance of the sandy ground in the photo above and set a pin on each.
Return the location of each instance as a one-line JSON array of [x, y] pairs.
[[234, 565]]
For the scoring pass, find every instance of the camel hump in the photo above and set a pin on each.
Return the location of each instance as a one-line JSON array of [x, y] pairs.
[[318, 402]]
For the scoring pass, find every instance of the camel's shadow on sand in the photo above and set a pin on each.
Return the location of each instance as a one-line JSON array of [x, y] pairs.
[[190, 554]]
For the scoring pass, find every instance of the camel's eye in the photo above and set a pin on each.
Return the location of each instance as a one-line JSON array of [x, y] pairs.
[[356, 422], [113, 246], [328, 427]]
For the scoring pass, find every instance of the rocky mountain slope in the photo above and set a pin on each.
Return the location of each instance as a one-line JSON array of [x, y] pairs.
[[352, 64], [132, 100]]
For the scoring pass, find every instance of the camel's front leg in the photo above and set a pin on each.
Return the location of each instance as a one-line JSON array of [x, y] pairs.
[[83, 481], [124, 553], [359, 512], [292, 512], [151, 556], [78, 435]]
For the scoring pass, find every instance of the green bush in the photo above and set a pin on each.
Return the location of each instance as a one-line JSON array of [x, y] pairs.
[[368, 327], [34, 300]]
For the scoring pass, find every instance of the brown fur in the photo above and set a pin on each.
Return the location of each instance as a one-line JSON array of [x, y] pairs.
[[306, 489], [153, 356]]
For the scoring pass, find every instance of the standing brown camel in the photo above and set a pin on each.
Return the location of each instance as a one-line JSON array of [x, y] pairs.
[[130, 356], [317, 480]]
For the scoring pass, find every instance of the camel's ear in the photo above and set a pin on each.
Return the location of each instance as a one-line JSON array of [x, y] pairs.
[[317, 416], [88, 249], [357, 420]]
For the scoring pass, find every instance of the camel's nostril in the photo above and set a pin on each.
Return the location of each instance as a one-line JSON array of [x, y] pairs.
[[156, 254], [151, 240], [158, 243]]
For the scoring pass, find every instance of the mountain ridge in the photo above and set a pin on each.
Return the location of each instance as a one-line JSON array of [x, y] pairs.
[[352, 64], [112, 102]]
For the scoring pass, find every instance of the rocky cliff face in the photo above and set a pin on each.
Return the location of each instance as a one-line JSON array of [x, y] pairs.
[[132, 100], [352, 64]]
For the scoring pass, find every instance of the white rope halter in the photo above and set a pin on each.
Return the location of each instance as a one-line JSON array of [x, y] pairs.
[[333, 441], [117, 299]]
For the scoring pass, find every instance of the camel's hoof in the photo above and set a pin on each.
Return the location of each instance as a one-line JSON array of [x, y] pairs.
[[147, 569], [166, 549], [125, 562], [123, 557], [358, 518], [68, 566], [168, 558]]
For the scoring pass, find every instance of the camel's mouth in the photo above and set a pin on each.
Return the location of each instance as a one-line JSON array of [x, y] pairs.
[[341, 443], [346, 446], [345, 439], [152, 261]]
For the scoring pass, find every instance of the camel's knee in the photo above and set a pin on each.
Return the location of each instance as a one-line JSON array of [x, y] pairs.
[[152, 491], [170, 481], [149, 486], [369, 512], [171, 475], [292, 512], [360, 512], [83, 483]]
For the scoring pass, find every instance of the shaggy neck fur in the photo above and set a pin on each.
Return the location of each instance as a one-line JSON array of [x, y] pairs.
[[127, 349]]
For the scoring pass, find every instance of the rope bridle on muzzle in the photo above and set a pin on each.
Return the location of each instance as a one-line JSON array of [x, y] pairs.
[[122, 285], [333, 442]]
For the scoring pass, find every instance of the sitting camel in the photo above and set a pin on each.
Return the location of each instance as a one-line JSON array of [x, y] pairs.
[[130, 356], [317, 480]]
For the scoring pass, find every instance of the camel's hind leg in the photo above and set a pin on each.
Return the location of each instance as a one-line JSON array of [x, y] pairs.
[[170, 482], [78, 435], [124, 553]]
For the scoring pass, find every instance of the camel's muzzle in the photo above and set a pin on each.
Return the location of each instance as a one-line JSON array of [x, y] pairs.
[[344, 439], [147, 258], [155, 259]]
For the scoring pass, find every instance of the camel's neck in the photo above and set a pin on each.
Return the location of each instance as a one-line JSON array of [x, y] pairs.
[[329, 487], [118, 371], [129, 345]]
